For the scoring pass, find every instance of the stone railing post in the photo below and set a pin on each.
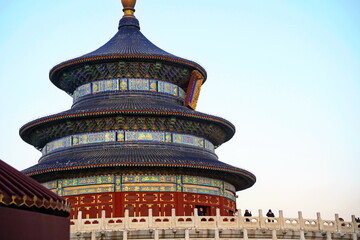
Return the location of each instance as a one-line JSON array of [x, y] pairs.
[[354, 223], [187, 234], [261, 220], [156, 234], [355, 227], [245, 234], [301, 221], [240, 219], [302, 235], [196, 218], [150, 218], [79, 224], [103, 220], [173, 218], [319, 221], [126, 219], [281, 220], [328, 235], [93, 235], [218, 223], [273, 234], [337, 222], [217, 234]]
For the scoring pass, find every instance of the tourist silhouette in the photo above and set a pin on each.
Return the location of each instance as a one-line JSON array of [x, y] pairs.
[[247, 214], [270, 214]]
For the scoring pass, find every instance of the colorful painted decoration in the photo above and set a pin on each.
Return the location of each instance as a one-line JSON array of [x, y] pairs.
[[129, 84], [58, 144], [148, 178], [188, 140], [104, 85], [229, 187], [127, 136], [193, 90], [82, 91], [201, 189], [141, 183], [202, 181], [229, 195], [144, 136]]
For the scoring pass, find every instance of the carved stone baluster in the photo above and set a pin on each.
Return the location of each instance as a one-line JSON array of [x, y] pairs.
[[218, 223], [261, 220], [301, 221], [150, 218], [355, 227], [328, 236], [240, 219], [196, 218], [93, 235], [281, 220], [302, 235], [187, 234], [173, 218], [353, 223], [319, 222], [337, 221], [126, 219], [156, 234], [245, 234], [273, 234], [80, 223], [103, 220]]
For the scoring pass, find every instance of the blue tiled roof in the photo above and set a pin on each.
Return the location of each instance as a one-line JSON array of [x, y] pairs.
[[126, 103], [128, 43], [135, 155]]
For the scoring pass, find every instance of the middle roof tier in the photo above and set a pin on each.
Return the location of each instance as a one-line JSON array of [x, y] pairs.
[[127, 111]]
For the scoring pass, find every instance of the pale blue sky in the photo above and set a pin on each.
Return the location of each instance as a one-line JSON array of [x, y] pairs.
[[285, 73]]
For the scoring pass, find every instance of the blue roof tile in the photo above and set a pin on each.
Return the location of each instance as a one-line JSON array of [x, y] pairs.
[[135, 154]]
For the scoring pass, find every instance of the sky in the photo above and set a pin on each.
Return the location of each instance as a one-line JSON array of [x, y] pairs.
[[285, 73]]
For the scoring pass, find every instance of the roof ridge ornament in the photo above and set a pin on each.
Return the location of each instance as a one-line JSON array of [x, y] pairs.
[[128, 7]]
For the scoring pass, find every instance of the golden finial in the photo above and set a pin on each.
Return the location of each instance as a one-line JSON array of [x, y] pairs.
[[128, 7]]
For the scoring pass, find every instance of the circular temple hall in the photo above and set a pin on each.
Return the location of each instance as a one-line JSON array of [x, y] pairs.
[[132, 138]]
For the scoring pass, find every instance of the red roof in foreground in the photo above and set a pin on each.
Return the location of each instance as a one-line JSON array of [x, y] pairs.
[[20, 191]]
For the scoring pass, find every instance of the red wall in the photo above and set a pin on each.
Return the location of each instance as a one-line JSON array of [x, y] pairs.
[[138, 204], [20, 224]]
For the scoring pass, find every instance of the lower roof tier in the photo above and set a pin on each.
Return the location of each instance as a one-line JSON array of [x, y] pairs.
[[107, 158], [114, 183]]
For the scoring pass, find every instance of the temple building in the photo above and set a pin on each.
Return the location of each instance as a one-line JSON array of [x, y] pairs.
[[28, 210], [132, 138]]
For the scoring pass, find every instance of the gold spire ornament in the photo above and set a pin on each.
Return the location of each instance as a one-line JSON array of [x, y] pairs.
[[128, 7]]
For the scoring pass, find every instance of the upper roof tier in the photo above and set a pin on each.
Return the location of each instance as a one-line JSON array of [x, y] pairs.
[[128, 45]]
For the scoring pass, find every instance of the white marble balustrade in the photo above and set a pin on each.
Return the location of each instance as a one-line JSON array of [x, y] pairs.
[[218, 224]]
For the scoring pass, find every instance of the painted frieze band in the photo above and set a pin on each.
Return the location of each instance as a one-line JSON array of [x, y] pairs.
[[229, 194], [201, 189], [229, 187], [141, 183], [152, 187], [127, 136], [129, 84]]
